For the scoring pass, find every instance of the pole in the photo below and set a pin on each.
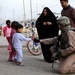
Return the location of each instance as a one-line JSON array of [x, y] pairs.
[[36, 10], [24, 12], [13, 15], [24, 16], [31, 9]]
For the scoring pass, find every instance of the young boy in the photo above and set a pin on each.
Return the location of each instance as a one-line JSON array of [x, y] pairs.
[[17, 43]]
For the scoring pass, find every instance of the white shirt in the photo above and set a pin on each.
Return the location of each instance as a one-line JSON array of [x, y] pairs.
[[17, 40]]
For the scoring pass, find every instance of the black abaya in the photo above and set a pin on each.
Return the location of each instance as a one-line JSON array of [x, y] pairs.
[[47, 31]]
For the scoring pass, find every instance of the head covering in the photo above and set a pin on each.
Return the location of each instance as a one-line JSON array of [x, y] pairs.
[[63, 20], [49, 12], [49, 17], [47, 31]]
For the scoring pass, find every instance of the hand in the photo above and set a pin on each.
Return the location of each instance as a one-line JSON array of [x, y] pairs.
[[32, 37], [41, 41], [49, 23], [44, 23], [63, 53], [60, 51]]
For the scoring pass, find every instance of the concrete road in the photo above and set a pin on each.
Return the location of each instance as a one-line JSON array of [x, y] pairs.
[[34, 65]]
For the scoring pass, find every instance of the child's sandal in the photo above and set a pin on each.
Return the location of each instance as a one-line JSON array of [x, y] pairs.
[[21, 64], [11, 60]]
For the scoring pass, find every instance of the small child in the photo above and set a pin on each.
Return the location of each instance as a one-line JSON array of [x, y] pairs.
[[13, 31], [7, 31], [7, 34], [17, 43]]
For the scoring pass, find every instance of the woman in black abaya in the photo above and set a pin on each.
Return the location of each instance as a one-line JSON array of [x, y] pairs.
[[47, 27]]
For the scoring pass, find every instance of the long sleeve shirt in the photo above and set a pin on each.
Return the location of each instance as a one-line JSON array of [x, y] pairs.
[[71, 48], [17, 40], [70, 13], [71, 42]]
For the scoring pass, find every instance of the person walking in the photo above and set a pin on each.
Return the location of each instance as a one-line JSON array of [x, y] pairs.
[[47, 27], [68, 11], [17, 39]]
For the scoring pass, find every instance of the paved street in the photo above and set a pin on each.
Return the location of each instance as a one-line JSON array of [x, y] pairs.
[[34, 65]]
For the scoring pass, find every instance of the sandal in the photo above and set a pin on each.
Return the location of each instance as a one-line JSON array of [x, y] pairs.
[[10, 60], [20, 64]]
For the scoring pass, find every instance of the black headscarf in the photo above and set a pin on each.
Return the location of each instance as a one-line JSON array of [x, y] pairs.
[[47, 31]]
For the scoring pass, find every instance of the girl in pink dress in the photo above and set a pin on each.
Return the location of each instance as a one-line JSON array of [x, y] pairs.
[[7, 34]]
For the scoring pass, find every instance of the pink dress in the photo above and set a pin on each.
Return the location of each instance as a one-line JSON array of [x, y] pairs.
[[7, 34], [13, 52]]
